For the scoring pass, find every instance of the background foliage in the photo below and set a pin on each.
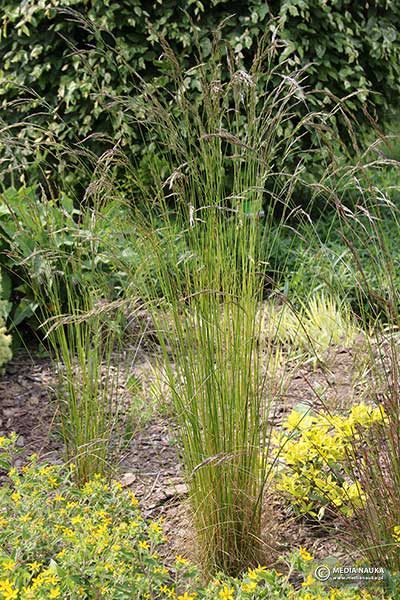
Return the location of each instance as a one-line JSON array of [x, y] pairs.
[[63, 72]]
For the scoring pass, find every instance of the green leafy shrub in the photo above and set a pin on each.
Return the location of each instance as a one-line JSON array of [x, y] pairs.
[[309, 259], [5, 339], [313, 452], [60, 541], [40, 241], [349, 47]]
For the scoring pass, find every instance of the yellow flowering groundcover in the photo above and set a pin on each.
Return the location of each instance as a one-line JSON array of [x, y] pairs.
[[61, 541], [312, 452]]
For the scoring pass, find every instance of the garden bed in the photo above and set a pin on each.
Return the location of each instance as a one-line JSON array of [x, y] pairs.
[[150, 465]]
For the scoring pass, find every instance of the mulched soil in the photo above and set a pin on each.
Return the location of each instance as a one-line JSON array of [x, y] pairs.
[[150, 463]]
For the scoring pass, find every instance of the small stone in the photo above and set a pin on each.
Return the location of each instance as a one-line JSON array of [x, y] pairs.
[[179, 489], [9, 412], [20, 441], [127, 479]]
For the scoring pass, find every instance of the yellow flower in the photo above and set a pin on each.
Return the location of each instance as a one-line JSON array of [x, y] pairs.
[[88, 488], [8, 564], [186, 596], [58, 498], [227, 593], [68, 532], [170, 592], [134, 524], [156, 528], [51, 578], [35, 566], [396, 533], [304, 553], [182, 561], [25, 518], [144, 545], [133, 499], [261, 569], [16, 497], [10, 594], [2, 441], [104, 516], [8, 590], [3, 522], [76, 520], [249, 587], [55, 593], [309, 581]]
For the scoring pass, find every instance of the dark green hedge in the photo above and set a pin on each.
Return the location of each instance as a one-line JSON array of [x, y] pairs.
[[352, 45]]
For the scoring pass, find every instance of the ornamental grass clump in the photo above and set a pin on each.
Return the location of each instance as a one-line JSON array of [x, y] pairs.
[[210, 210], [85, 355], [369, 227], [62, 262]]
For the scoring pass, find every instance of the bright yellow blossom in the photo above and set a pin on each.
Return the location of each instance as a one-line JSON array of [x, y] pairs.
[[35, 566], [25, 518], [8, 590], [249, 587], [8, 564], [308, 581], [396, 533], [133, 499], [170, 592], [226, 593], [76, 520], [16, 497], [304, 553], [144, 545], [156, 528]]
